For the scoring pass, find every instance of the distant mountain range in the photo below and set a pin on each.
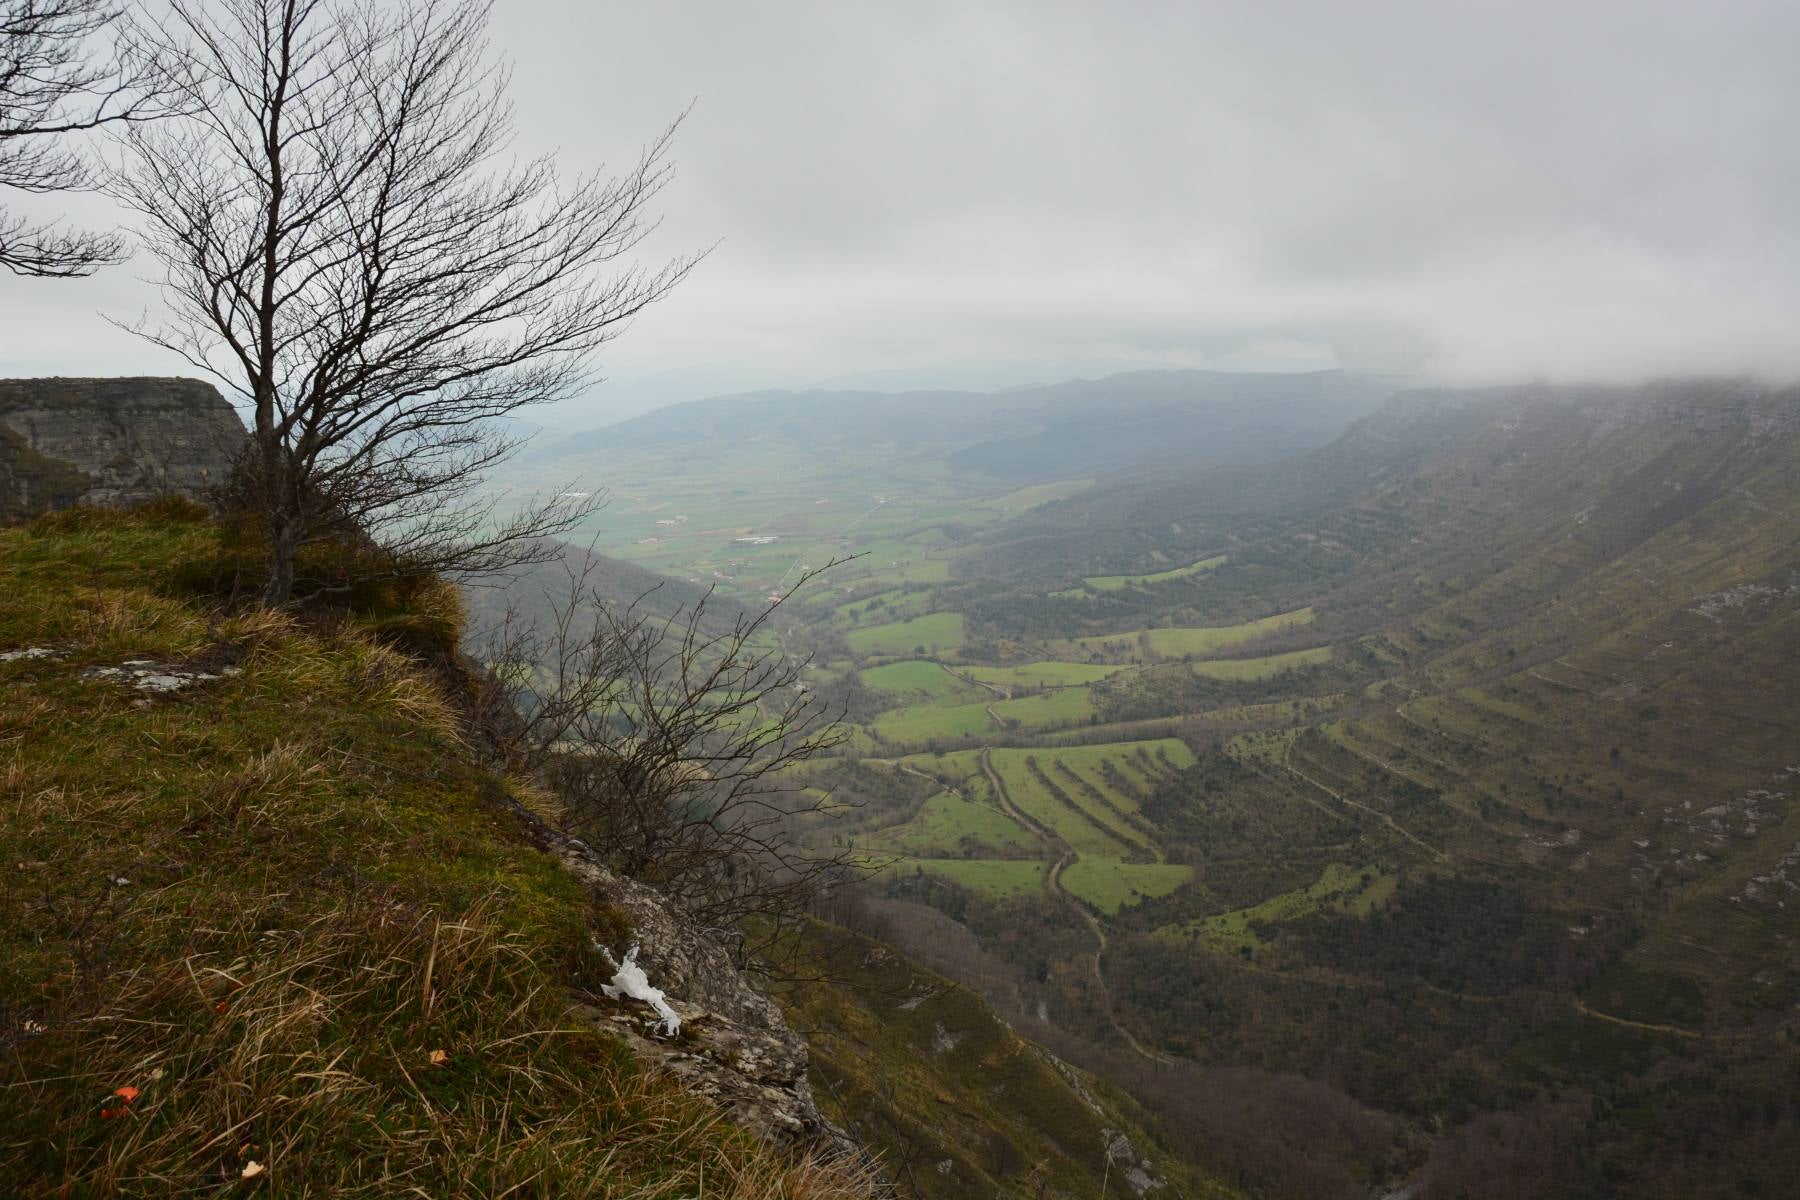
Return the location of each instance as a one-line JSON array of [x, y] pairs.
[[1063, 430]]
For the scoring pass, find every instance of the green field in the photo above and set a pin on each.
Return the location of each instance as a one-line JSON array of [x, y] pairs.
[[922, 722], [1098, 834], [1110, 886], [1178, 642], [1030, 497], [1068, 706], [960, 769], [1043, 674], [948, 824], [1261, 668], [1108, 583], [1141, 764], [1351, 890], [915, 675], [937, 632], [927, 570]]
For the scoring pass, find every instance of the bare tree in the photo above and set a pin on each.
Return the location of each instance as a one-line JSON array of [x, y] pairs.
[[346, 245], [668, 741], [53, 84]]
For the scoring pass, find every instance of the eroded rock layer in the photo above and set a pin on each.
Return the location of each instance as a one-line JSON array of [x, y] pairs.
[[65, 442]]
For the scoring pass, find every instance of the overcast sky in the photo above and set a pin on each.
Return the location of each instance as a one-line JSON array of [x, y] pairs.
[[976, 191]]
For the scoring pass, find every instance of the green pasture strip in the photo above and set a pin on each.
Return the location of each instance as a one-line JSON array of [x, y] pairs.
[[1109, 885], [922, 722], [1181, 641], [1069, 706], [917, 675], [1339, 888], [1261, 668], [1043, 674], [1110, 583]]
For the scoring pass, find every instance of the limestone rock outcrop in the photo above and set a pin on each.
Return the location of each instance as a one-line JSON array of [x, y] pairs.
[[734, 1046], [111, 441]]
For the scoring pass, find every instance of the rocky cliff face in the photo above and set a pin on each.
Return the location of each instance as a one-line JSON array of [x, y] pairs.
[[110, 441], [735, 1047]]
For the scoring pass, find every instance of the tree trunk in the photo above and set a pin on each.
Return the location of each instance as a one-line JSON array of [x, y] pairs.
[[284, 547]]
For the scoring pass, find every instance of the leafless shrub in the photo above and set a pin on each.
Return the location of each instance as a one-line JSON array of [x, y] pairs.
[[668, 740], [52, 84]]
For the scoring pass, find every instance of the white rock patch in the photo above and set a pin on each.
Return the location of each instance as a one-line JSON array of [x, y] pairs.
[[146, 675]]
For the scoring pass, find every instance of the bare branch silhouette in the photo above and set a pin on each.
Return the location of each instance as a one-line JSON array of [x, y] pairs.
[[346, 245]]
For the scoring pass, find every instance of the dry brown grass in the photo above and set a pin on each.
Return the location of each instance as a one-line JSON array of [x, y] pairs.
[[311, 1052]]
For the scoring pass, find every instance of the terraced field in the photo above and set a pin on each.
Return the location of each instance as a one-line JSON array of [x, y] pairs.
[[1089, 827], [1078, 802], [1148, 645]]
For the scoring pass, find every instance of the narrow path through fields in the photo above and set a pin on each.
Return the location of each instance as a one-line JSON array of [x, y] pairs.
[[1003, 693], [1053, 884]]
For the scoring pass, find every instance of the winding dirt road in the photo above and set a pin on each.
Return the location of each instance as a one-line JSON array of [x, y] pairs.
[[1053, 883]]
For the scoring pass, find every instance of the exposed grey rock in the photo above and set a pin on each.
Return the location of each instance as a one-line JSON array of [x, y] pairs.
[[111, 441], [1138, 1171], [28, 654], [735, 1046], [148, 676]]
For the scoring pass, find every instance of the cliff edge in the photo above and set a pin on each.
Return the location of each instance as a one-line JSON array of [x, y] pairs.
[[110, 442]]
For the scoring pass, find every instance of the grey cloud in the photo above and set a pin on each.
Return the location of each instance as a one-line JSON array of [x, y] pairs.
[[1469, 190]]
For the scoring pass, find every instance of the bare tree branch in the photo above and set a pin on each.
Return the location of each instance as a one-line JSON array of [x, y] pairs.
[[671, 748], [347, 246], [51, 85]]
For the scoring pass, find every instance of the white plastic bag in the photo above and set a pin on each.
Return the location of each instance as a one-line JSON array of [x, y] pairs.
[[629, 980]]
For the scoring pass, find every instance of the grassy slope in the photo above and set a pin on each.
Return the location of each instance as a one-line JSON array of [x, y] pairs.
[[267, 902], [954, 1101]]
